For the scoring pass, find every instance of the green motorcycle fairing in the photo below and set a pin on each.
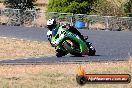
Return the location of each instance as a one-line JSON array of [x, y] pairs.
[[62, 34]]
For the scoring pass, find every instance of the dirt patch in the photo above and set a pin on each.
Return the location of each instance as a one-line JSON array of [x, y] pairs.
[[15, 48]]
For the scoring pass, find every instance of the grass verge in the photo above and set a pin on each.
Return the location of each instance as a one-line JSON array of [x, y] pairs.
[[59, 75], [15, 48]]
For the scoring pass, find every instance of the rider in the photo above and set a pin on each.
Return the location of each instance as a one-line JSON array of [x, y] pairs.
[[52, 25]]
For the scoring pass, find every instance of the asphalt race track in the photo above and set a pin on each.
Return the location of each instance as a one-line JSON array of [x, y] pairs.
[[110, 45]]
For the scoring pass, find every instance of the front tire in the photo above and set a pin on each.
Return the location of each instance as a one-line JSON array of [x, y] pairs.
[[92, 50], [75, 52], [60, 52]]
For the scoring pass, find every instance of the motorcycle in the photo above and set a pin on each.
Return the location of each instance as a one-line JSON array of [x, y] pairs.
[[66, 42]]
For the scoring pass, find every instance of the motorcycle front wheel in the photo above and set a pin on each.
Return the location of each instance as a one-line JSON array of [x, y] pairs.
[[72, 50]]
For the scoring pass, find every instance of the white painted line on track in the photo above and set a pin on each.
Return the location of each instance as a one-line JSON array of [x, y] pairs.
[[14, 38], [35, 41], [4, 37], [12, 59], [21, 39], [17, 39], [25, 58], [37, 57]]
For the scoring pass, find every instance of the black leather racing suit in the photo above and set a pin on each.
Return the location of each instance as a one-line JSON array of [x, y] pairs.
[[75, 31]]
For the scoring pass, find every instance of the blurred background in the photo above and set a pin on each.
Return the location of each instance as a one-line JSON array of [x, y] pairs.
[[113, 15]]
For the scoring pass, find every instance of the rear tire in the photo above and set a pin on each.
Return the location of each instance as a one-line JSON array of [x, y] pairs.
[[92, 50]]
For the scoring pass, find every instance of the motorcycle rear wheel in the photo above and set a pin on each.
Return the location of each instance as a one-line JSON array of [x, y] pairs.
[[92, 50]]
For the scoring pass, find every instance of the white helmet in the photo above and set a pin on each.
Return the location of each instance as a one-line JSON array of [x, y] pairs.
[[51, 24]]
